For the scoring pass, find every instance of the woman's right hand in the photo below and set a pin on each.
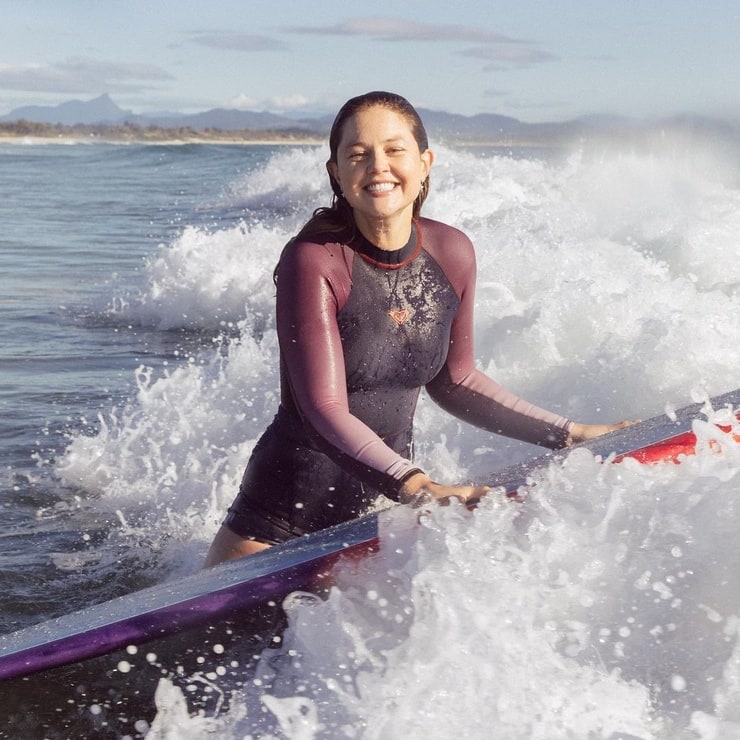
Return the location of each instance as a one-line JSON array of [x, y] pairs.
[[584, 432], [420, 488]]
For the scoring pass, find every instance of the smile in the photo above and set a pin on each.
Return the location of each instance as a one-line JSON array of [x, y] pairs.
[[380, 187]]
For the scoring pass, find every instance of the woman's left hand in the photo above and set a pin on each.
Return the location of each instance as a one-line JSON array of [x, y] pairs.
[[584, 432]]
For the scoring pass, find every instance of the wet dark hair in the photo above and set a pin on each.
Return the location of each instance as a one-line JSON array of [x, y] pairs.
[[337, 218]]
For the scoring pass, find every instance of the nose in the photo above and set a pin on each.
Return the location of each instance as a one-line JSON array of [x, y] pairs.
[[378, 161]]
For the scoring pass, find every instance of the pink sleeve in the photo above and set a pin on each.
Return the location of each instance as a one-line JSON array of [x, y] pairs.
[[462, 389], [313, 284]]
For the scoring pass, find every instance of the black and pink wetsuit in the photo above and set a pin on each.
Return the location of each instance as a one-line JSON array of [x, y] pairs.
[[361, 331]]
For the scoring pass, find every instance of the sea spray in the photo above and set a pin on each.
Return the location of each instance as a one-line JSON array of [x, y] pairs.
[[559, 298], [606, 602], [601, 605]]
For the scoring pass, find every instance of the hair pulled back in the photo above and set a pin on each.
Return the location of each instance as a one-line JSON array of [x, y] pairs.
[[338, 218]]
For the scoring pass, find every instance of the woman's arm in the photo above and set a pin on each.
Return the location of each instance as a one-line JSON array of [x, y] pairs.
[[463, 390], [313, 283], [468, 393]]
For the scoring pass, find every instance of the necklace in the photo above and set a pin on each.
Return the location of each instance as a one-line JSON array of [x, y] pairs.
[[396, 311], [392, 262]]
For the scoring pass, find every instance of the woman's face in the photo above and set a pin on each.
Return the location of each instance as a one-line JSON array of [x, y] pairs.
[[380, 168]]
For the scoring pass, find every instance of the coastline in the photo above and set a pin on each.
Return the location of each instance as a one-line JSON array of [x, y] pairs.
[[26, 140], [28, 132], [174, 141], [227, 140], [25, 132]]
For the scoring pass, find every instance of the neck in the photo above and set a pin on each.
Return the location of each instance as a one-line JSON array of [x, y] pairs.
[[388, 234]]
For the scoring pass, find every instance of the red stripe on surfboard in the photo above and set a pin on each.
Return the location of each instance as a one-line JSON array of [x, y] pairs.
[[671, 449]]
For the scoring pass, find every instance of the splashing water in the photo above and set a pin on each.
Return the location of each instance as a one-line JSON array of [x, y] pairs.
[[603, 606]]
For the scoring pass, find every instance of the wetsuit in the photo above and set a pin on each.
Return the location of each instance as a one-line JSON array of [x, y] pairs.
[[361, 331]]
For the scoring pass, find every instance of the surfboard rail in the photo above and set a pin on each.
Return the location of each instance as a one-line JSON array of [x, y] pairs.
[[242, 584]]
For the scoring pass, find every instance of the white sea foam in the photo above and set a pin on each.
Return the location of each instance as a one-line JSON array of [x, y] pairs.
[[606, 604]]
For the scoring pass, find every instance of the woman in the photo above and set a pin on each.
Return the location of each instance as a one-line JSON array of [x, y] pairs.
[[373, 303]]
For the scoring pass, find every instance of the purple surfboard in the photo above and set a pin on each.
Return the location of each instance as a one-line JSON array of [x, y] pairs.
[[243, 584]]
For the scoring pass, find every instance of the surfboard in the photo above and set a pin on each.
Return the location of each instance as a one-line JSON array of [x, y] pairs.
[[662, 437], [240, 585]]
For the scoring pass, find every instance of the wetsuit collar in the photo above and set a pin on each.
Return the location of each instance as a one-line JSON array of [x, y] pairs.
[[390, 258]]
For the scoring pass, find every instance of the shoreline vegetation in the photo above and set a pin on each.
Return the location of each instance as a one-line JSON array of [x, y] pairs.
[[680, 131], [24, 130]]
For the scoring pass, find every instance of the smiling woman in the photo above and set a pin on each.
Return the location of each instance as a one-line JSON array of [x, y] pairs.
[[374, 303], [381, 171]]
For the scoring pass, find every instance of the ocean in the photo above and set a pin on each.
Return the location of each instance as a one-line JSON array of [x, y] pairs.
[[139, 366]]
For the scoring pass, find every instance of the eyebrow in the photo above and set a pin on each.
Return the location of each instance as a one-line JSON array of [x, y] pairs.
[[389, 140]]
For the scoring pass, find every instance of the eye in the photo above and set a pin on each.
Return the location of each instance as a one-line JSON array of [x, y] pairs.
[[355, 155]]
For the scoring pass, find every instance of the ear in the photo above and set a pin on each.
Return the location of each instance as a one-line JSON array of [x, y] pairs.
[[427, 159], [333, 170]]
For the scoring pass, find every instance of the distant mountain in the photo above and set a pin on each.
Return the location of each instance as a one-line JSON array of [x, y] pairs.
[[224, 119], [484, 127], [102, 110], [99, 110], [437, 122]]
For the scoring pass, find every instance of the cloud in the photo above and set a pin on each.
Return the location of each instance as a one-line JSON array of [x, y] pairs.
[[543, 105], [81, 76], [277, 104], [244, 102], [500, 56], [492, 92], [386, 28], [234, 41], [498, 50]]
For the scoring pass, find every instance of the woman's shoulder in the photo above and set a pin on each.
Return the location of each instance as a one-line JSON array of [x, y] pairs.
[[309, 262], [321, 249], [442, 240]]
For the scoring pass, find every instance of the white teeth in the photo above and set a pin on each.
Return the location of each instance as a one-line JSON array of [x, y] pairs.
[[381, 187]]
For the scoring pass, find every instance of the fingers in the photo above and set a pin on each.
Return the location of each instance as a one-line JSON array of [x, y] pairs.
[[465, 494], [443, 494], [584, 432], [621, 425], [477, 493]]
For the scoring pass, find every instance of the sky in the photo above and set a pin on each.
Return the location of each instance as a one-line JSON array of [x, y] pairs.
[[534, 60]]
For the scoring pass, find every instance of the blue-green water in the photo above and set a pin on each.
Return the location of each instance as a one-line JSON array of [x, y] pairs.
[[139, 365]]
